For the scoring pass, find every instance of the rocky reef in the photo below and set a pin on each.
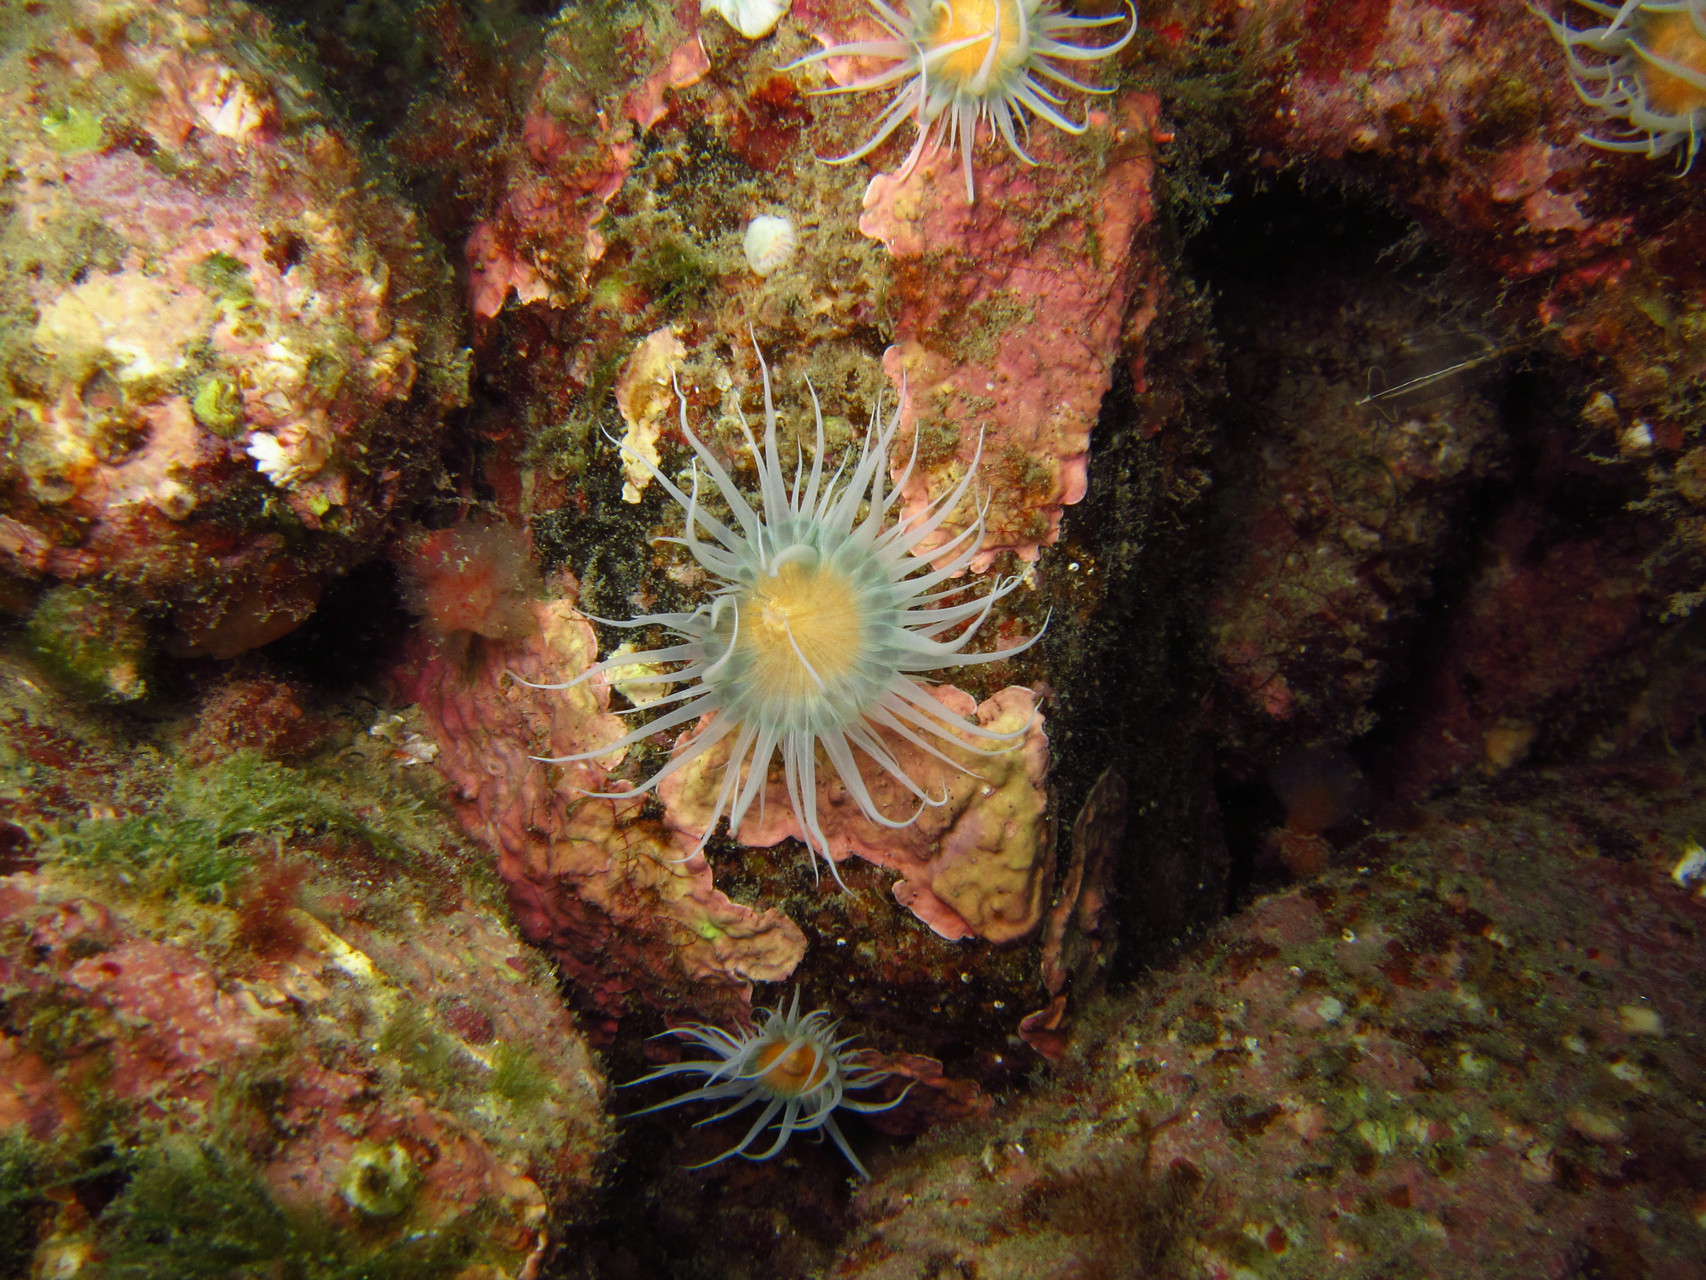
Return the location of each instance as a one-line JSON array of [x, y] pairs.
[[1302, 882]]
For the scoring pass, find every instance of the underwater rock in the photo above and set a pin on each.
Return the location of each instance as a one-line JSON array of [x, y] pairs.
[[607, 80], [1006, 317], [1477, 1044], [276, 1013], [91, 646], [1342, 507], [231, 349], [1467, 116], [254, 711], [1547, 635], [615, 899], [1010, 314]]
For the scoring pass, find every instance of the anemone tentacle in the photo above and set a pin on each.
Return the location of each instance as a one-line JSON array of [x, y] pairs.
[[945, 97], [1640, 80]]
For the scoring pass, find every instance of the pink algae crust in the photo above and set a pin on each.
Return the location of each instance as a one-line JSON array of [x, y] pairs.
[[1471, 1056], [615, 899], [979, 865], [579, 138], [326, 1015], [1010, 314], [226, 339], [471, 578]]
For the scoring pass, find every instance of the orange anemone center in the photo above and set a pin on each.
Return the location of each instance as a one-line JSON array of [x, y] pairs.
[[800, 621], [1672, 37], [791, 1067], [976, 21]]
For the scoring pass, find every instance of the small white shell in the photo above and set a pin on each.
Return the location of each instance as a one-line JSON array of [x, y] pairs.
[[770, 242], [752, 18]]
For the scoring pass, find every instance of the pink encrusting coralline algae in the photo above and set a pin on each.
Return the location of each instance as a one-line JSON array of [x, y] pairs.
[[224, 402], [625, 908]]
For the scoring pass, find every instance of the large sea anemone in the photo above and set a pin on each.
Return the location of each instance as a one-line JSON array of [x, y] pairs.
[[793, 1065], [820, 616], [959, 62], [1649, 73]]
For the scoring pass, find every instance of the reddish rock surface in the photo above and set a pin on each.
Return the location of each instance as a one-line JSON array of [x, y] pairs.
[[233, 354], [292, 1005]]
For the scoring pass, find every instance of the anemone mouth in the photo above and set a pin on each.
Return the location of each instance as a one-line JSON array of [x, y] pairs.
[[1645, 69], [822, 615], [960, 63]]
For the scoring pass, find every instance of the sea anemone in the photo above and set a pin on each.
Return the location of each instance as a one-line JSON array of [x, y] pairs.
[[1650, 73], [794, 1065], [962, 61], [817, 622]]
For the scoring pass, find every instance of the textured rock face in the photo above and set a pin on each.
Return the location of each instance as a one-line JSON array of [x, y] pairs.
[[230, 352], [617, 900], [280, 1012], [1346, 506], [614, 257], [1468, 1051]]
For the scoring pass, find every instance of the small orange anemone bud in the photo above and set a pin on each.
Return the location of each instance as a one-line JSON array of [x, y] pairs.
[[471, 578]]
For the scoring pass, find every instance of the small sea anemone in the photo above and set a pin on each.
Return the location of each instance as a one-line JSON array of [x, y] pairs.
[[963, 61], [471, 578], [1650, 73], [794, 1065], [818, 620]]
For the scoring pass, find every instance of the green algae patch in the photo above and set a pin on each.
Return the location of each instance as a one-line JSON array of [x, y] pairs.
[[214, 822], [91, 646], [519, 1078], [73, 130], [200, 1211]]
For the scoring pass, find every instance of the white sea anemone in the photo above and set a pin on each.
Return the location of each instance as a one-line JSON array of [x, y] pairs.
[[962, 61], [1649, 73], [820, 615], [793, 1065]]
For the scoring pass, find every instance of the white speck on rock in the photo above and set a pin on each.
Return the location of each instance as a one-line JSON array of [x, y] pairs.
[[770, 243], [754, 19]]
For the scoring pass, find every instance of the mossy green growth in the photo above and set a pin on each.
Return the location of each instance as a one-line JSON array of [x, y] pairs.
[[204, 834], [26, 1173], [428, 1055], [90, 645], [673, 273], [194, 1211], [29, 1171], [73, 130], [518, 1078], [218, 406]]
